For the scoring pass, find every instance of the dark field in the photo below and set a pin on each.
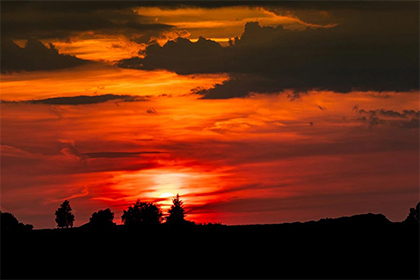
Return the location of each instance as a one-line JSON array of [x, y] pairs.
[[363, 246]]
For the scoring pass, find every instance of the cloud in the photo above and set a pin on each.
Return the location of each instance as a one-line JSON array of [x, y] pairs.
[[82, 99], [407, 119], [34, 56], [151, 111], [355, 55], [82, 193], [321, 108], [119, 154], [46, 20], [60, 21], [69, 149], [404, 114], [11, 151]]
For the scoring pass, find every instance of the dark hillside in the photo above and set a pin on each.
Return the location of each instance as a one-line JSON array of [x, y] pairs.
[[362, 246]]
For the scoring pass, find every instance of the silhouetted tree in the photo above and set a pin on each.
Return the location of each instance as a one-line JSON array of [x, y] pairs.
[[176, 212], [142, 213], [9, 223], [64, 217], [413, 216], [102, 218]]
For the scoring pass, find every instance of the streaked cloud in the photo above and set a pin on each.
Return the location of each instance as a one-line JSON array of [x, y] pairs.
[[82, 99]]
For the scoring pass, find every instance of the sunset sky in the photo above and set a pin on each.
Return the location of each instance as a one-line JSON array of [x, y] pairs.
[[254, 112]]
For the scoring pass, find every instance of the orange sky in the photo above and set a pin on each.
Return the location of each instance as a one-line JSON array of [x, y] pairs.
[[265, 158]]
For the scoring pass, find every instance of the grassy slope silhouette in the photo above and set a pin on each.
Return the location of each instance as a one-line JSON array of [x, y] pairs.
[[361, 246]]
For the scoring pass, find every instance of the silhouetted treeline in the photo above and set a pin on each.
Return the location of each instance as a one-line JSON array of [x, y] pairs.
[[361, 246], [413, 215], [139, 215], [9, 223]]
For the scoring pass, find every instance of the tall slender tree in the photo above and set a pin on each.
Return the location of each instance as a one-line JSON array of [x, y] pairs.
[[64, 217], [176, 212]]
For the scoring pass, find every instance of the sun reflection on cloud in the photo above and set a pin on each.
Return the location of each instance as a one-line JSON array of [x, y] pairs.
[[104, 48]]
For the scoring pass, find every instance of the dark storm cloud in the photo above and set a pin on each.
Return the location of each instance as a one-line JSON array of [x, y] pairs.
[[82, 99], [34, 56], [366, 51]]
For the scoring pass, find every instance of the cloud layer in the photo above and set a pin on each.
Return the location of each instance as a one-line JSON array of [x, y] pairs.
[[63, 20], [365, 53]]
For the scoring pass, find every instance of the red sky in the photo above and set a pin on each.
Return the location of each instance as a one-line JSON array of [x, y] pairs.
[[272, 154]]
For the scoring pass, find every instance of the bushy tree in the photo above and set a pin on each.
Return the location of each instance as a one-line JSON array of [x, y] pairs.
[[9, 223], [176, 212], [142, 213], [102, 218], [64, 217], [413, 216]]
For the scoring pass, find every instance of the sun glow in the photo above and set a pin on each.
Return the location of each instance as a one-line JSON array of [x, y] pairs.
[[167, 184], [166, 195]]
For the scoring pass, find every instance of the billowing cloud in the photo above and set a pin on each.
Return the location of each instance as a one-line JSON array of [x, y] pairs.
[[34, 56], [349, 56]]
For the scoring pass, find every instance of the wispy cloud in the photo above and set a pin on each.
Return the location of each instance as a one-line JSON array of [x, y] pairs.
[[82, 100], [111, 155]]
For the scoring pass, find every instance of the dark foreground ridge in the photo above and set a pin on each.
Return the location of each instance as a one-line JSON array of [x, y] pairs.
[[361, 246]]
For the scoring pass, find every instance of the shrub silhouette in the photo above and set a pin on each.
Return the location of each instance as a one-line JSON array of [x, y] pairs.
[[413, 216], [9, 223], [64, 217], [142, 213], [102, 218], [176, 212]]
